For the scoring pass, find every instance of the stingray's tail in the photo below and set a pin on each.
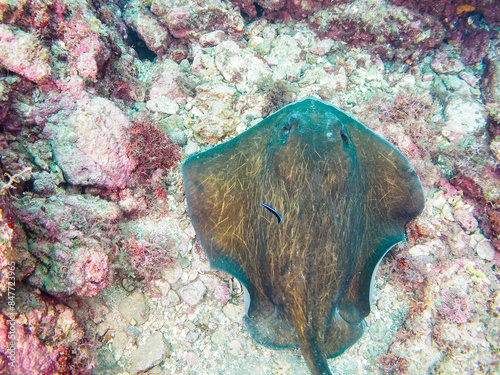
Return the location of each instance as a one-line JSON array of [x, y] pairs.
[[313, 350], [317, 345]]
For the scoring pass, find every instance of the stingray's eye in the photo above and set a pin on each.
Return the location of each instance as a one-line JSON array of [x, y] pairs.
[[293, 120], [344, 138], [285, 131]]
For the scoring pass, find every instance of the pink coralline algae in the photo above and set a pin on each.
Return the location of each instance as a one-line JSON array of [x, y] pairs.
[[48, 338], [147, 26], [450, 11], [463, 24], [86, 51], [284, 9], [187, 19], [166, 25], [24, 54], [165, 82], [85, 161], [32, 357], [78, 271], [58, 232], [392, 32], [80, 43]]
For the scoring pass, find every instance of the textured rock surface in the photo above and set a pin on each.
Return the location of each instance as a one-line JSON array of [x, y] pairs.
[[154, 350], [147, 26], [22, 53], [85, 161], [134, 309], [239, 65], [463, 118], [192, 293], [186, 19]]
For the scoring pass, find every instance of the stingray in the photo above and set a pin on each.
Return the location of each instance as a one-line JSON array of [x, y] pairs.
[[301, 208]]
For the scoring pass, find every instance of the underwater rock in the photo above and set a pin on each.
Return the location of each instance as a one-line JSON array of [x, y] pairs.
[[24, 54], [188, 19], [322, 47], [167, 81], [240, 65], [485, 250], [490, 82], [178, 137], [82, 271], [87, 52], [389, 31], [85, 161], [124, 82], [45, 332], [61, 232], [283, 8], [147, 26], [162, 105], [212, 107], [203, 63], [150, 354], [66, 217], [466, 220], [172, 273], [286, 58], [44, 184], [212, 38], [192, 293], [443, 64], [135, 308], [462, 119], [475, 46]]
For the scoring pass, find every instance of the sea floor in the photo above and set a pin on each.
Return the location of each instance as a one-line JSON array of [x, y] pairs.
[[100, 268]]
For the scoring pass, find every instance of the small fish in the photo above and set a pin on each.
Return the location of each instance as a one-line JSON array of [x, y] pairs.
[[273, 211]]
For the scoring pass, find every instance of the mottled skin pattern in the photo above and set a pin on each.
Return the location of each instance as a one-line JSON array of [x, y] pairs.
[[344, 195]]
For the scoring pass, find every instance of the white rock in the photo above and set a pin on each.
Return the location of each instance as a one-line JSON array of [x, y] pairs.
[[322, 47], [150, 354], [466, 220], [462, 119], [233, 312], [162, 105], [172, 273], [134, 309], [420, 250], [84, 161], [485, 250], [193, 293], [240, 65], [446, 65]]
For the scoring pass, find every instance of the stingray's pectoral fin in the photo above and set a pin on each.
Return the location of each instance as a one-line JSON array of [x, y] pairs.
[[268, 328], [340, 335]]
